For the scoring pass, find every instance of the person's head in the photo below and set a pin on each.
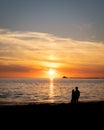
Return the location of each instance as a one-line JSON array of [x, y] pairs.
[[76, 88], [72, 90]]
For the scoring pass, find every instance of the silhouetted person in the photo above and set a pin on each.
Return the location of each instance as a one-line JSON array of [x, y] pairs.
[[73, 96], [77, 94]]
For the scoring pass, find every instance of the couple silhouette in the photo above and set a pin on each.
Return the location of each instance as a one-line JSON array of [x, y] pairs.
[[75, 95]]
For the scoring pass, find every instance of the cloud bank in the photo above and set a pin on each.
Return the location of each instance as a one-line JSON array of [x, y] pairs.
[[23, 51]]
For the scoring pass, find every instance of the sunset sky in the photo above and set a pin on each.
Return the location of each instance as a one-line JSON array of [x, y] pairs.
[[66, 36]]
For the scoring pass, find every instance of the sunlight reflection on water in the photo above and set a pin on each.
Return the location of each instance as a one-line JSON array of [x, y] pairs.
[[15, 90]]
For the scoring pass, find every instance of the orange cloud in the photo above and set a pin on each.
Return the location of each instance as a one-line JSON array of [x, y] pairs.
[[33, 53]]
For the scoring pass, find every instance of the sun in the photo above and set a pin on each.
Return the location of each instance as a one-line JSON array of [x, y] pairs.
[[51, 72]]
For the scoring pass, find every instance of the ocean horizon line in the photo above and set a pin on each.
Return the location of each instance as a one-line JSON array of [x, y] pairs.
[[56, 77]]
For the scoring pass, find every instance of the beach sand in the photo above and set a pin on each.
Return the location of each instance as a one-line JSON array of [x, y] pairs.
[[94, 107], [85, 114]]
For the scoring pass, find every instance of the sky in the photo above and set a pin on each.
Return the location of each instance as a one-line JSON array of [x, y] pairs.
[[66, 36]]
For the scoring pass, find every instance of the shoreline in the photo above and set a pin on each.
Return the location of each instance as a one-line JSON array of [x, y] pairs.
[[2, 103], [54, 107]]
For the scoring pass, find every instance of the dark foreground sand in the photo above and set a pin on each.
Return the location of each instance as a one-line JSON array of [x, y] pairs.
[[61, 108], [84, 114]]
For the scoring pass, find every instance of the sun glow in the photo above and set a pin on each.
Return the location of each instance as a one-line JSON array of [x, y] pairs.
[[51, 72]]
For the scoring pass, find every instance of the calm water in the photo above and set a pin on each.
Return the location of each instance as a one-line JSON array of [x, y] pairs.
[[29, 90]]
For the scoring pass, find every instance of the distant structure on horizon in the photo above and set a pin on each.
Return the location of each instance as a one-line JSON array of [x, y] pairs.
[[64, 77]]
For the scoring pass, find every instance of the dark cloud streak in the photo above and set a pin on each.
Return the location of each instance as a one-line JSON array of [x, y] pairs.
[[14, 68]]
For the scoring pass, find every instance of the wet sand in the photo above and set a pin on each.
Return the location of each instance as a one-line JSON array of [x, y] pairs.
[[96, 107]]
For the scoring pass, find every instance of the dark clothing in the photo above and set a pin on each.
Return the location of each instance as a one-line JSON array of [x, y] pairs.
[[75, 95]]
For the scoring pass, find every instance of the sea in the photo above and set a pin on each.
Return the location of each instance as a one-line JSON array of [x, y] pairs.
[[43, 90]]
